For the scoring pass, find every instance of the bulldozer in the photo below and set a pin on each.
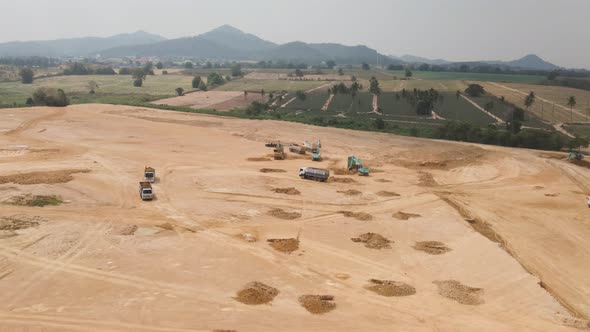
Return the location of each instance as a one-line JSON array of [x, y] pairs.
[[279, 152], [575, 155], [355, 163]]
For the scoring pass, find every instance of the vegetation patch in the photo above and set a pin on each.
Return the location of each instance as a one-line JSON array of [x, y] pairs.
[[362, 216], [390, 288], [18, 222], [317, 304], [256, 293], [284, 245], [373, 241], [35, 200], [458, 292]]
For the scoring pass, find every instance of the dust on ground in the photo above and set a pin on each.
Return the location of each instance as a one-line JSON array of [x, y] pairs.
[[34, 200], [405, 216], [284, 245], [256, 293], [125, 230], [50, 177], [317, 304], [350, 192], [343, 180], [390, 288], [458, 292], [282, 214], [388, 194], [362, 216], [432, 247], [287, 191], [343, 171], [18, 222], [272, 170], [373, 241], [426, 180]]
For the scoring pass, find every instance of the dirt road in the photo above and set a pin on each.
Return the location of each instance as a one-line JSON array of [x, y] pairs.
[[509, 221]]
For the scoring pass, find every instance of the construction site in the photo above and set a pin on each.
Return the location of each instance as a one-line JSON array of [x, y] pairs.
[[252, 225]]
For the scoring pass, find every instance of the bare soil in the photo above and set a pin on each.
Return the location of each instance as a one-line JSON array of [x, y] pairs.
[[405, 216], [287, 191], [432, 247], [258, 159], [458, 292], [282, 214], [373, 241], [317, 304], [387, 194], [284, 245], [362, 216], [343, 180], [390, 288], [35, 200], [256, 293], [350, 192], [272, 170], [50, 177], [18, 222]]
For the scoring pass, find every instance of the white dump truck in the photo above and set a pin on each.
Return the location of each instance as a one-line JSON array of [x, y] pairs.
[[149, 174], [588, 201], [145, 191], [317, 174]]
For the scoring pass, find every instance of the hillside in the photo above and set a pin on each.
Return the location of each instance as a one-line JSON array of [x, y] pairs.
[[75, 46]]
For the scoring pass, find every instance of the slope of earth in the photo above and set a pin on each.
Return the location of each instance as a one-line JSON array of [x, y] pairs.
[[198, 257]]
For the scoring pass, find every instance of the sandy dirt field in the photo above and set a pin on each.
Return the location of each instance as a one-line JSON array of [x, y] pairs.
[[442, 236], [200, 99]]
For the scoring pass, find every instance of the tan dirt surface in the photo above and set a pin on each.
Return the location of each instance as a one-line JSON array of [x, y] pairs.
[[77, 271], [432, 247], [373, 241], [282, 214], [405, 216], [456, 291], [201, 99], [284, 245], [350, 192]]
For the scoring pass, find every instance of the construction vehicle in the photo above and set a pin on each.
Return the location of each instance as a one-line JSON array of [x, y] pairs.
[[149, 174], [308, 146], [271, 144], [356, 164], [316, 174], [279, 152], [145, 191], [575, 155], [316, 155], [296, 148], [588, 201]]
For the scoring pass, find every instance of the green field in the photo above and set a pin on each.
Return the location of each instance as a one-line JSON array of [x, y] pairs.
[[345, 104], [312, 102], [502, 110], [579, 129], [108, 84]]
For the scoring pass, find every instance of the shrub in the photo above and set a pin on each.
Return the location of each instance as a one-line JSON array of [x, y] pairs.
[[138, 83], [26, 75], [50, 97]]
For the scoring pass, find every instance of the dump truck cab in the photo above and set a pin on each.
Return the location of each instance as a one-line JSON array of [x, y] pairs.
[[146, 192], [279, 152], [149, 175]]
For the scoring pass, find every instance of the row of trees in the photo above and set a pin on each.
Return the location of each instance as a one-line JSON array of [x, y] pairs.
[[77, 68]]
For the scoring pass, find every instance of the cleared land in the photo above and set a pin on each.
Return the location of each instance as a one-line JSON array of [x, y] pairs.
[[551, 103], [198, 256], [218, 100], [269, 85]]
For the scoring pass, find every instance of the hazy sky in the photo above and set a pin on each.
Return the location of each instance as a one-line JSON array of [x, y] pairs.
[[558, 31]]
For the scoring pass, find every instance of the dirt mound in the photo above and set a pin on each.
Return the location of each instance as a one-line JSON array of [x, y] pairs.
[[432, 247], [551, 195], [256, 293], [50, 177], [272, 170], [387, 194], [259, 159], [357, 215], [282, 214], [287, 191], [383, 181], [343, 171], [581, 163], [17, 222], [343, 180], [350, 192], [373, 241], [167, 226], [455, 291], [405, 216], [390, 288], [317, 304], [284, 245], [538, 187], [36, 200]]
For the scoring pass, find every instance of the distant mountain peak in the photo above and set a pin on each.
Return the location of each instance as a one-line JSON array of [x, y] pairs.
[[227, 28], [532, 61]]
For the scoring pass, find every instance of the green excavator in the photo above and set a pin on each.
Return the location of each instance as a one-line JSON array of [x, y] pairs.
[[316, 154], [575, 155], [355, 163]]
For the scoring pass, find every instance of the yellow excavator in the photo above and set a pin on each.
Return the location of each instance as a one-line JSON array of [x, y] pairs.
[[279, 152]]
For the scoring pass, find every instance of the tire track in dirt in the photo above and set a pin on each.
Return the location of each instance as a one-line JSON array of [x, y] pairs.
[[33, 122], [84, 325], [110, 277]]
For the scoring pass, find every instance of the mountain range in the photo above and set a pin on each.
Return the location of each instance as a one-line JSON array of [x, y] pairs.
[[229, 43]]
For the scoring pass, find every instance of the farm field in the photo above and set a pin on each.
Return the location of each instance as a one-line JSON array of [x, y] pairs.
[[269, 85], [313, 102], [551, 103], [450, 76], [108, 84], [389, 85], [579, 129], [502, 110], [236, 241]]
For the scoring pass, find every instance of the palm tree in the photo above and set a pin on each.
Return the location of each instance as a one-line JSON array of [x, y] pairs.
[[529, 100], [571, 102]]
